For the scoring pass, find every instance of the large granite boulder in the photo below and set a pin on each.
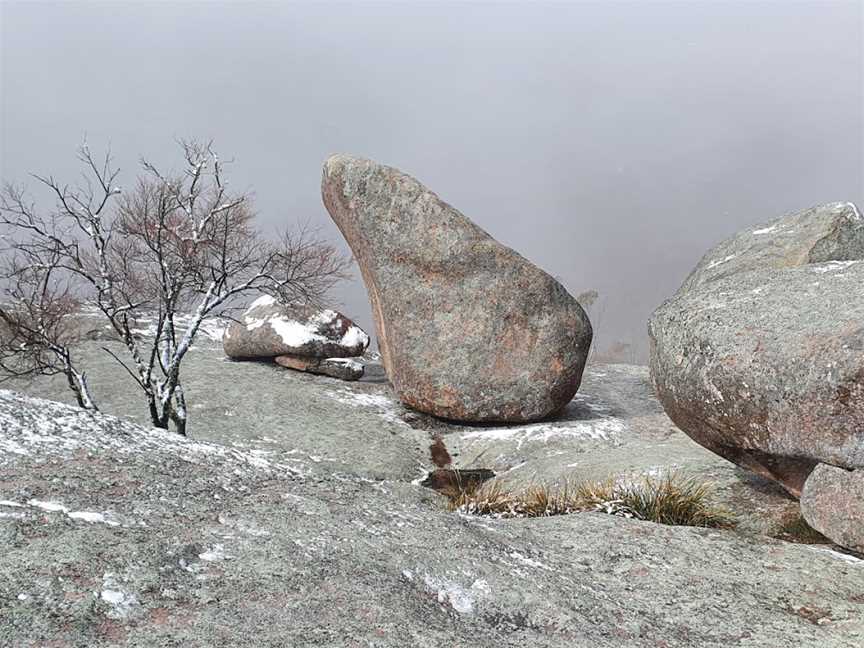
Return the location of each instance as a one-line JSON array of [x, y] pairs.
[[833, 503], [468, 329], [268, 329], [759, 357]]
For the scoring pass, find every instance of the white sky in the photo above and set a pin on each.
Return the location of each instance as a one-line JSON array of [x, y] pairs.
[[609, 143]]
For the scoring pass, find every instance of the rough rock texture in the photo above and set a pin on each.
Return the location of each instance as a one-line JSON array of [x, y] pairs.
[[113, 535], [614, 426], [268, 329], [342, 368], [468, 329], [760, 355], [833, 503]]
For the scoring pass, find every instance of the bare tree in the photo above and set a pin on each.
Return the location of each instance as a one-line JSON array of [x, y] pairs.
[[180, 247]]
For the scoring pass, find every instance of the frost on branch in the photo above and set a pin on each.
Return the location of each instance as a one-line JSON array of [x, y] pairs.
[[178, 246]]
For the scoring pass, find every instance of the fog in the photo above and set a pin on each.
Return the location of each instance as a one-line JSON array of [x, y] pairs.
[[611, 144]]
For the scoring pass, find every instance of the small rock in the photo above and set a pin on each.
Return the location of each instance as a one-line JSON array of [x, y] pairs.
[[342, 368], [832, 502], [268, 329]]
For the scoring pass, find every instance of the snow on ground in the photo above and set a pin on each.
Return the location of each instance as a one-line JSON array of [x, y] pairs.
[[856, 214], [718, 262], [838, 555], [460, 598], [765, 230], [45, 430], [54, 507], [385, 406], [529, 562], [598, 429], [830, 266], [121, 602], [211, 328]]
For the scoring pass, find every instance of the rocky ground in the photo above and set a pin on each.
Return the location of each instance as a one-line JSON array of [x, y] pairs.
[[294, 517]]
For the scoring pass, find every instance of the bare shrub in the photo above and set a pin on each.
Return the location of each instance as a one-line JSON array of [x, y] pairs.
[[178, 247]]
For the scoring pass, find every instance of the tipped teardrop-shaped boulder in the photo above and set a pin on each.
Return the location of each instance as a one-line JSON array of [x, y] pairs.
[[468, 329]]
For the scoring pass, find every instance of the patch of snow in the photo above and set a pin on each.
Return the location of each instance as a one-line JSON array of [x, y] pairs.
[[765, 230], [294, 333], [462, 600], [599, 429], [842, 206], [344, 362], [211, 328], [386, 407], [10, 503], [718, 262], [528, 561], [88, 516], [516, 467], [839, 555], [48, 506], [23, 597], [11, 447], [253, 323], [216, 552], [355, 336], [122, 602], [263, 300], [830, 266], [424, 473], [46, 429]]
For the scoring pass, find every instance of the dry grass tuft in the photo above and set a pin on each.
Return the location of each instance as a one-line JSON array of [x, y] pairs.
[[671, 499]]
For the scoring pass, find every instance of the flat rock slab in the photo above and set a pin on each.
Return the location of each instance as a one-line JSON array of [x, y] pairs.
[[614, 427], [468, 329], [115, 535]]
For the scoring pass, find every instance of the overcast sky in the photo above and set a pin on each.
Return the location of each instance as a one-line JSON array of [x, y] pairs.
[[612, 144]]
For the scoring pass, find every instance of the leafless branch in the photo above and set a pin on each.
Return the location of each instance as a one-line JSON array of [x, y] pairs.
[[179, 246]]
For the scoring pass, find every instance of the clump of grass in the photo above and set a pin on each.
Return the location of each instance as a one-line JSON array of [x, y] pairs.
[[671, 499], [488, 498]]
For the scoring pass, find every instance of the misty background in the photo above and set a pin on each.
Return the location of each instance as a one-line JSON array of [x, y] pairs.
[[610, 143]]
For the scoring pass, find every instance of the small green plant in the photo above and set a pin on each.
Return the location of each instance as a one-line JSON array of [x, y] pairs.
[[670, 499]]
